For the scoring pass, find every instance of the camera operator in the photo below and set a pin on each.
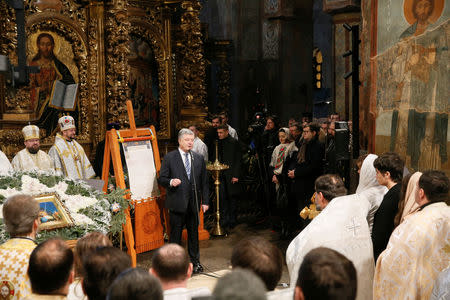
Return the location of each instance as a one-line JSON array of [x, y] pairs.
[[254, 132]]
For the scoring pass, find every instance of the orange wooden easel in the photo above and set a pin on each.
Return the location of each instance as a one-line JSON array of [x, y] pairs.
[[147, 227]]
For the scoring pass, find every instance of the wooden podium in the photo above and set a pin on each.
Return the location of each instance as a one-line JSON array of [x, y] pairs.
[[148, 230]]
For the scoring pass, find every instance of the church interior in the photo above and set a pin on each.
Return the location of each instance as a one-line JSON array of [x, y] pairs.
[[180, 62], [382, 64]]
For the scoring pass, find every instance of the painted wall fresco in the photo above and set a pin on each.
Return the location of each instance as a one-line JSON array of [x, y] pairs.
[[412, 90], [397, 20]]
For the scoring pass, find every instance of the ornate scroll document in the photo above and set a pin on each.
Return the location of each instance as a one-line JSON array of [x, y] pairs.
[[141, 169]]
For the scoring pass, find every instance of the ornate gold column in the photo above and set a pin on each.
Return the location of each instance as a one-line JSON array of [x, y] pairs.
[[96, 36], [221, 53], [8, 41], [117, 50], [191, 66]]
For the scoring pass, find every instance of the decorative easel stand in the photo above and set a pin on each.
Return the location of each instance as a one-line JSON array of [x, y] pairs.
[[148, 229]]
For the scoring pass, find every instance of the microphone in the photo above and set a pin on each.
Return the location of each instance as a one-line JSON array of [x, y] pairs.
[[192, 156]]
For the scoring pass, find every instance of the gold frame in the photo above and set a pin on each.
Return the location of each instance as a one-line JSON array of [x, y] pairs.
[[65, 221]]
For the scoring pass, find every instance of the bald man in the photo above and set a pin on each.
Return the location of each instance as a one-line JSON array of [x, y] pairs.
[[171, 265]]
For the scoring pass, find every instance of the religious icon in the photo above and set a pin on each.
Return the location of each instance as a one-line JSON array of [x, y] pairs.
[[420, 14], [6, 290], [52, 212], [52, 69], [143, 82]]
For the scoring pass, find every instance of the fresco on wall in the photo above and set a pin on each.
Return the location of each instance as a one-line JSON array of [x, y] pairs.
[[412, 89], [398, 19]]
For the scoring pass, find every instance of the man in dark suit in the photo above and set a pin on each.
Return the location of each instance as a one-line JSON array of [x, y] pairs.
[[389, 167], [211, 136], [303, 169], [183, 174], [229, 154]]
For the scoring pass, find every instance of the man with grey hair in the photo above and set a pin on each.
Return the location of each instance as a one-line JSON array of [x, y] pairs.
[[240, 284], [21, 217], [183, 174], [199, 146]]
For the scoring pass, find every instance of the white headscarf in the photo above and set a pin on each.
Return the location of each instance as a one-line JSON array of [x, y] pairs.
[[370, 188], [411, 205]]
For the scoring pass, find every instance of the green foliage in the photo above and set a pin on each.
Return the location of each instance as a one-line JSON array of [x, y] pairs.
[[75, 188], [100, 212], [117, 219], [49, 180], [13, 182]]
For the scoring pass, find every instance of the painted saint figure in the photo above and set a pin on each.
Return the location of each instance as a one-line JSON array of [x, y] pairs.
[[421, 10], [51, 69]]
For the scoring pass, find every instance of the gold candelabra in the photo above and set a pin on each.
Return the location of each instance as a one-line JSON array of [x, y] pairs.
[[215, 170]]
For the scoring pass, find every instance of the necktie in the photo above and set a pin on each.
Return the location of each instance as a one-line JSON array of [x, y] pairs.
[[187, 165]]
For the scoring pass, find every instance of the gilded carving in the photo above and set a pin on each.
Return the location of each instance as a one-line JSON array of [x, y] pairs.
[[96, 72], [190, 50], [11, 141], [94, 39], [74, 10], [20, 101], [152, 33], [117, 49], [223, 74], [8, 38]]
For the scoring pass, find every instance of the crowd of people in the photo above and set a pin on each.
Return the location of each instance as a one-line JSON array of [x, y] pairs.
[[388, 240], [96, 270]]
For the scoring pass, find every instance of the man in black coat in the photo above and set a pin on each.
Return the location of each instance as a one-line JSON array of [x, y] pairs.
[[183, 174], [229, 154], [389, 167], [304, 168], [211, 136]]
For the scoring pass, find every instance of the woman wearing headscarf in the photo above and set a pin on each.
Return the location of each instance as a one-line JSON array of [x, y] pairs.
[[284, 150], [408, 204], [370, 188]]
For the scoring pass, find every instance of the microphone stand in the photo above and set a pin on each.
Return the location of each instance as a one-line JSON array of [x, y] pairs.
[[195, 188]]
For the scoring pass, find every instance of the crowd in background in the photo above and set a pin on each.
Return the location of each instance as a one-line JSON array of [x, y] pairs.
[[388, 240]]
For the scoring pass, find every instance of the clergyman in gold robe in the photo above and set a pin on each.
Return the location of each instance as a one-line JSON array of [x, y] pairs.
[[418, 249], [68, 156], [31, 158], [21, 217]]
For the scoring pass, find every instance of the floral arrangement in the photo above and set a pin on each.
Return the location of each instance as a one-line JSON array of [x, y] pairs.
[[91, 210]]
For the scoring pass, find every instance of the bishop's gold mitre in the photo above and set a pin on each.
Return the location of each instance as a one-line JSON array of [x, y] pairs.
[[30, 132]]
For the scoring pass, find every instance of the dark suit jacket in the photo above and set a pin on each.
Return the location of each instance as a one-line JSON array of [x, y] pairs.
[[302, 186], [177, 198], [383, 223], [230, 154]]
